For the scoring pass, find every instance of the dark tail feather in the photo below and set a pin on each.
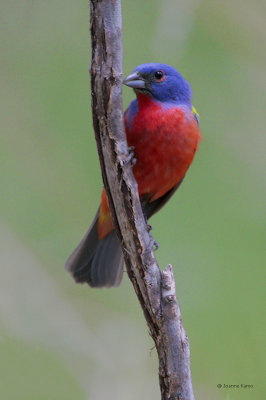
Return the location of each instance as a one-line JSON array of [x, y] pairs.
[[97, 262]]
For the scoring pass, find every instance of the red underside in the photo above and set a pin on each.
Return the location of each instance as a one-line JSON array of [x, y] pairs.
[[164, 143]]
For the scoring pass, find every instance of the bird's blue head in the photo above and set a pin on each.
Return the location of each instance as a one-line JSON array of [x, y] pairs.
[[160, 81]]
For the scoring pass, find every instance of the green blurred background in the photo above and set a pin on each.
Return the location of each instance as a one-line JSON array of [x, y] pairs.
[[65, 341]]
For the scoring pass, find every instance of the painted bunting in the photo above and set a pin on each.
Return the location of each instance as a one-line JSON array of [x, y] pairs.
[[162, 126]]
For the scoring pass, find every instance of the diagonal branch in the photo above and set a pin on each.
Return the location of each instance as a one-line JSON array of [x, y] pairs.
[[155, 289]]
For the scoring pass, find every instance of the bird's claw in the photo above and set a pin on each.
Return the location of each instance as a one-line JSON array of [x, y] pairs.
[[153, 244], [130, 159]]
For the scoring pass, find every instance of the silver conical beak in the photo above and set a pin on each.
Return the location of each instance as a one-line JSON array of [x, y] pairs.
[[134, 81]]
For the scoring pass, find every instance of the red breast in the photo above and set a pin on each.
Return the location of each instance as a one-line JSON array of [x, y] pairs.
[[165, 141]]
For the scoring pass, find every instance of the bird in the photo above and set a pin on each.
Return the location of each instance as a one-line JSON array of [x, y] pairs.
[[162, 126]]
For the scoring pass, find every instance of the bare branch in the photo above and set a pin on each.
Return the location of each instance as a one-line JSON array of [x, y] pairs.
[[155, 289]]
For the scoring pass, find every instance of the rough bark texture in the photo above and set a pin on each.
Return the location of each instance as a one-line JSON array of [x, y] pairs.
[[155, 289]]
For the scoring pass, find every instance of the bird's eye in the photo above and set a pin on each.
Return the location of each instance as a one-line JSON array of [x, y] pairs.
[[159, 76]]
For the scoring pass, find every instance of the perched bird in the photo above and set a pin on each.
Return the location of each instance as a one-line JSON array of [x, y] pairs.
[[162, 126]]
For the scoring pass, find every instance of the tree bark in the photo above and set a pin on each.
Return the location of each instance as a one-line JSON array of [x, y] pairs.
[[155, 289]]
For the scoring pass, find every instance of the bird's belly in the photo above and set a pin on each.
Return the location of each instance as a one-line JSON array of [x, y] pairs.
[[163, 158]]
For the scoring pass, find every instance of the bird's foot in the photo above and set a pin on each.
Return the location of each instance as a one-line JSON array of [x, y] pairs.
[[130, 159], [153, 244], [156, 245]]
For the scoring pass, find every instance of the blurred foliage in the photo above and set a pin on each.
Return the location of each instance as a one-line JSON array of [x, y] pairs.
[[65, 341]]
